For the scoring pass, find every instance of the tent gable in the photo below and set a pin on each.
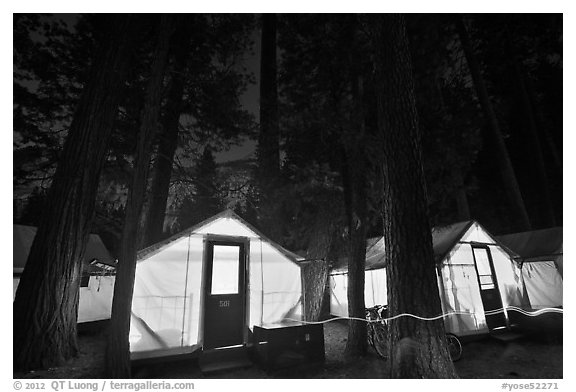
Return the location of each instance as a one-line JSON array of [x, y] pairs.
[[225, 223], [446, 237], [226, 226], [23, 236], [477, 234]]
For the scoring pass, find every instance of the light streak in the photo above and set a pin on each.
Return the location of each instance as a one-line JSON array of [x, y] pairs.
[[488, 313]]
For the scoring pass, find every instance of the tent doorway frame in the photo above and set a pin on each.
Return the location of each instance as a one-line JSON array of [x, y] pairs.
[[224, 316], [491, 297]]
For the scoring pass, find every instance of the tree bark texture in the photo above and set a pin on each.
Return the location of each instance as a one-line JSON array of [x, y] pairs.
[[162, 171], [417, 348], [46, 302], [509, 181], [315, 273], [118, 348]]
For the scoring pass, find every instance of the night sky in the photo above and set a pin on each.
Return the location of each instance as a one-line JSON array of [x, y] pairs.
[[483, 164]]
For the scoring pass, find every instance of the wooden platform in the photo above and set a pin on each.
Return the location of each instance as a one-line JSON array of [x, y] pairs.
[[506, 336], [224, 359]]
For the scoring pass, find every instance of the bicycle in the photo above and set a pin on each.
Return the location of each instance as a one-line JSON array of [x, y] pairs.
[[378, 334], [378, 330]]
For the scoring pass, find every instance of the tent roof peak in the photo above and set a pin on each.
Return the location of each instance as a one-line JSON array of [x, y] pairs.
[[227, 213]]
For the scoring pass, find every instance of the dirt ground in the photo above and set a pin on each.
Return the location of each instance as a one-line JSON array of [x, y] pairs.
[[534, 356]]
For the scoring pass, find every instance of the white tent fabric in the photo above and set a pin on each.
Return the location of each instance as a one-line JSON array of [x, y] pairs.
[[374, 291], [560, 263], [541, 255], [457, 281], [460, 293], [543, 284], [95, 300], [167, 305], [459, 289]]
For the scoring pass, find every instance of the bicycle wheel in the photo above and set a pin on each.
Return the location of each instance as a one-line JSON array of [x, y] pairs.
[[380, 339], [454, 346], [370, 334]]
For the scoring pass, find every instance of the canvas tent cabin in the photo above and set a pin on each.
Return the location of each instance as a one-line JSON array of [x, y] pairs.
[[541, 259], [96, 284], [476, 276], [209, 287]]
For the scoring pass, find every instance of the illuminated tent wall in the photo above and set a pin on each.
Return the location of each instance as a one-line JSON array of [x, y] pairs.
[[167, 306], [458, 281], [97, 283], [541, 258], [375, 280]]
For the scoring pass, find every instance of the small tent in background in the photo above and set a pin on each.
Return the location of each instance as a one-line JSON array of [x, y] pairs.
[[208, 287], [541, 258], [476, 275], [97, 282]]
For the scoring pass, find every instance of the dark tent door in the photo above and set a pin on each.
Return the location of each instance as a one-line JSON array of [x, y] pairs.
[[224, 294], [488, 283]]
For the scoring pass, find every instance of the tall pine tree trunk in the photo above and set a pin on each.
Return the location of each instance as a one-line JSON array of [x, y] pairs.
[[428, 63], [268, 151], [509, 181], [536, 155], [552, 147], [357, 212], [315, 272], [462, 205], [46, 302], [356, 198], [417, 348], [269, 139], [118, 348], [162, 171]]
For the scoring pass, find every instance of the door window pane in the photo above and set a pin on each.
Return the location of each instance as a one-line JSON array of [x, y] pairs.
[[225, 265], [482, 261], [484, 271]]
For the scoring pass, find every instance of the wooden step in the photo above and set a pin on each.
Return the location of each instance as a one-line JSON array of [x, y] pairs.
[[217, 360], [506, 336]]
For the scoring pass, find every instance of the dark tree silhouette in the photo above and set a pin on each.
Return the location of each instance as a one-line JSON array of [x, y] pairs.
[[202, 105], [269, 139], [356, 196], [46, 302], [417, 348], [118, 348], [162, 171], [355, 180], [206, 200], [267, 173], [509, 181]]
